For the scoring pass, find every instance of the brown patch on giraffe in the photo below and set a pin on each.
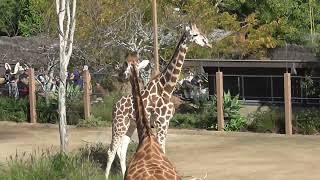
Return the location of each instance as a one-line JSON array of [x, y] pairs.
[[179, 65], [145, 94], [123, 100], [162, 81], [167, 76], [163, 111], [126, 110], [154, 98], [176, 71], [168, 88], [161, 119], [174, 79], [159, 103], [153, 90]]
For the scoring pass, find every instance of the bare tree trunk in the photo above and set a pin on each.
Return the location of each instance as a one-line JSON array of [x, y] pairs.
[[66, 43]]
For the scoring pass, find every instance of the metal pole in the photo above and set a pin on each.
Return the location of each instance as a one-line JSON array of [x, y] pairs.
[[155, 37]]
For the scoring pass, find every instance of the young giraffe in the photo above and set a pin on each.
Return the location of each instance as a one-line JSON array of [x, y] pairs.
[[156, 98], [149, 162]]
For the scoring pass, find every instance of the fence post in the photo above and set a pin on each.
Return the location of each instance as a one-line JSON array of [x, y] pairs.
[[287, 100], [86, 94], [32, 96], [219, 86]]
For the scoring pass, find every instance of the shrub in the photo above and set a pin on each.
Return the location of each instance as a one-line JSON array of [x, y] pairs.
[[104, 110], [205, 116], [87, 163], [98, 153], [271, 120], [14, 110], [92, 122], [46, 165], [185, 120], [307, 121]]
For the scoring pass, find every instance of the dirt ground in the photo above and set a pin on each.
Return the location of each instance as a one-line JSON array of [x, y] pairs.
[[226, 156]]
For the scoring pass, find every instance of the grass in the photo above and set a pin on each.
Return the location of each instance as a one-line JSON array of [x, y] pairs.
[[105, 109], [87, 163]]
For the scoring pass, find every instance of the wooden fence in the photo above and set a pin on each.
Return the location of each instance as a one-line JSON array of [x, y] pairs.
[[87, 89]]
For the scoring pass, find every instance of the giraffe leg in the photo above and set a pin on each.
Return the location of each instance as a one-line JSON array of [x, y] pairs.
[[122, 150], [122, 153], [115, 143], [162, 125]]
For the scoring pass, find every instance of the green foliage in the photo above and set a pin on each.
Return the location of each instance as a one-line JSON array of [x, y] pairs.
[[205, 117], [25, 17], [92, 122], [33, 21], [98, 153], [307, 121], [14, 110], [83, 165], [271, 120], [185, 120], [104, 110], [47, 112]]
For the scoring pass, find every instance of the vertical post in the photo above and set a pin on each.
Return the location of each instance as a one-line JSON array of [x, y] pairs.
[[287, 100], [219, 85], [155, 37], [86, 94], [32, 96]]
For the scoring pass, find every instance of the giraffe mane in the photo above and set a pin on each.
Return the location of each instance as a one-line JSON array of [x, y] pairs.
[[184, 35], [144, 128]]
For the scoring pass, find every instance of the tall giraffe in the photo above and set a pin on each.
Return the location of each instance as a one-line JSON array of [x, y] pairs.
[[156, 98], [149, 162]]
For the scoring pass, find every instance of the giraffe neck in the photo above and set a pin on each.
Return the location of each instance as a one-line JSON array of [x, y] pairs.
[[143, 125], [170, 75]]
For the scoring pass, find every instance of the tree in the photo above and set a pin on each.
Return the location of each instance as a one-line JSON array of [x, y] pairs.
[[66, 30]]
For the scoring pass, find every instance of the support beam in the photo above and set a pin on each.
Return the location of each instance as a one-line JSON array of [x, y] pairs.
[[155, 38], [219, 86], [86, 94], [288, 105], [32, 96]]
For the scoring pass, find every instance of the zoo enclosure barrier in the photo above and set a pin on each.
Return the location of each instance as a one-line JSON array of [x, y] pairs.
[[287, 90]]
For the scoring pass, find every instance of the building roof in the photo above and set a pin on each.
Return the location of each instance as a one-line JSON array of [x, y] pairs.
[[251, 63]]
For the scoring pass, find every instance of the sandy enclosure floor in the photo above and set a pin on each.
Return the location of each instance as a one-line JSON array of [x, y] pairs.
[[226, 156]]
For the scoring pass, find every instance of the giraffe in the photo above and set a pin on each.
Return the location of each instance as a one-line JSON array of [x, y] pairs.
[[156, 98], [149, 162]]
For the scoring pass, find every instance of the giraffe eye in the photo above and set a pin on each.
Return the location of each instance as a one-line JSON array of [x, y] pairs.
[[195, 35]]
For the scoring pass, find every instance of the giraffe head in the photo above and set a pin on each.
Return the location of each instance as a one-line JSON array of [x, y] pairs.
[[132, 59], [194, 35]]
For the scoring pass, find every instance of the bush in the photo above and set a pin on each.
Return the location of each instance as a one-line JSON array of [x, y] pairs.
[[271, 121], [14, 110], [88, 163], [205, 117], [307, 121], [104, 110], [92, 122], [46, 165], [98, 153]]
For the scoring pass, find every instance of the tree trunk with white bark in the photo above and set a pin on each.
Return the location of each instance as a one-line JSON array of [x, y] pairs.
[[65, 9]]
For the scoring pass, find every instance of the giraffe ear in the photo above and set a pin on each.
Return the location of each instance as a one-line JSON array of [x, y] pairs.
[[193, 26], [7, 66], [16, 68]]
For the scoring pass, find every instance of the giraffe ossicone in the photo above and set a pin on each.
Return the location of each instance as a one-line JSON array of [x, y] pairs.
[[156, 97]]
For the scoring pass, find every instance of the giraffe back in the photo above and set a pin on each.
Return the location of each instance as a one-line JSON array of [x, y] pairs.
[[149, 162]]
